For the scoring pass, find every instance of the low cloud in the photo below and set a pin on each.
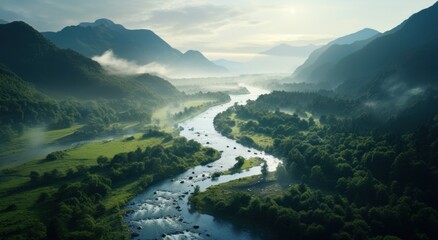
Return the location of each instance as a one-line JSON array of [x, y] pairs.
[[120, 66]]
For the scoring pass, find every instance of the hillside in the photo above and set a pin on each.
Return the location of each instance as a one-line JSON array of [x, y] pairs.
[[141, 46], [392, 66], [28, 54], [64, 73], [21, 103], [396, 62], [328, 55]]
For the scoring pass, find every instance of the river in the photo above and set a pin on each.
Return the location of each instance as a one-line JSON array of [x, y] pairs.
[[162, 211]]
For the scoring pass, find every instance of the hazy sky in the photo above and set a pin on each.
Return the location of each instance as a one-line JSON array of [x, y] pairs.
[[232, 29]]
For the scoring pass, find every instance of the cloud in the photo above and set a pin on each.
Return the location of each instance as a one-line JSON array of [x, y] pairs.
[[120, 66], [8, 15], [198, 19], [53, 15], [245, 26]]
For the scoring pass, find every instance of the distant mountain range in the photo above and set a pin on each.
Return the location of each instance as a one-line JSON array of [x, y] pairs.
[[290, 51], [3, 21], [141, 46], [63, 73], [282, 58], [326, 56], [232, 66], [399, 63]]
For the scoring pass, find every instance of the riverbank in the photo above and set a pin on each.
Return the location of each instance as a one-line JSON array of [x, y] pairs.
[[246, 164], [163, 210], [31, 201]]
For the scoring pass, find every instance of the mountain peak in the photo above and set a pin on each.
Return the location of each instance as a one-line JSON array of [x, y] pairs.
[[141, 46], [193, 53], [363, 34], [287, 50], [368, 30], [102, 22], [194, 56], [23, 35]]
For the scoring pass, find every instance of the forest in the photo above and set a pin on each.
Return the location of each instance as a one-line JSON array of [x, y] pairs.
[[23, 106], [83, 202], [196, 120], [344, 176]]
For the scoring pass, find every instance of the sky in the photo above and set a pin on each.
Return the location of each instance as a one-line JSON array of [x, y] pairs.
[[230, 29]]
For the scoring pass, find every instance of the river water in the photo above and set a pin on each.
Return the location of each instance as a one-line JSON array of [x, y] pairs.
[[162, 211]]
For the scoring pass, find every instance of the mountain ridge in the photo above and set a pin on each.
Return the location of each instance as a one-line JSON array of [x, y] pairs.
[[142, 46], [354, 41], [61, 72], [404, 55]]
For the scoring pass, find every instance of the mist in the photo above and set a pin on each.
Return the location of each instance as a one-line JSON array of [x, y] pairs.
[[394, 95], [120, 66]]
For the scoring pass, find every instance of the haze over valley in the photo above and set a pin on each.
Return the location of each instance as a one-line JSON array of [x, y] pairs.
[[230, 120]]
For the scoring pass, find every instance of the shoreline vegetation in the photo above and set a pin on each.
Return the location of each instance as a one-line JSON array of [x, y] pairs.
[[60, 138], [224, 200], [243, 164], [41, 198], [88, 121], [80, 192], [346, 174]]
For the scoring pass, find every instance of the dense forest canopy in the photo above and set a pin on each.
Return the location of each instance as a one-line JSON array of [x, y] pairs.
[[355, 129], [351, 176]]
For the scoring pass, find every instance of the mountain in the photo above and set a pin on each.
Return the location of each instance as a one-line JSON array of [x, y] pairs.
[[103, 22], [194, 61], [141, 46], [363, 34], [325, 57], [290, 51], [60, 72], [93, 39], [3, 21], [28, 54], [232, 66], [14, 88], [21, 102], [279, 59], [396, 63]]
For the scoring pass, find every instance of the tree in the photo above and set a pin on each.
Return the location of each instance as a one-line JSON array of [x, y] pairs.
[[240, 161], [196, 190], [34, 176], [265, 170], [282, 175], [102, 161]]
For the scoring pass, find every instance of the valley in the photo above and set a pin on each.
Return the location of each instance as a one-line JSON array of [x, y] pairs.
[[188, 120]]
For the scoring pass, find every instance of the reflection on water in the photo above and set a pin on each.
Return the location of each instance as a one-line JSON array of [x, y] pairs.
[[162, 211]]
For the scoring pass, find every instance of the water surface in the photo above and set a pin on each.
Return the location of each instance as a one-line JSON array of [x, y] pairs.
[[162, 211]]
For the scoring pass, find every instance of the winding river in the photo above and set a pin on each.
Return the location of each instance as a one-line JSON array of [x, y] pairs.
[[163, 211]]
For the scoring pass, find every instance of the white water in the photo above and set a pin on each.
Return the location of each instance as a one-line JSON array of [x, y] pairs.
[[162, 211]]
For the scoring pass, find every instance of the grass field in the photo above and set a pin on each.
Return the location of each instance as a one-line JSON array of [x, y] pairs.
[[16, 190], [255, 186], [85, 155], [261, 140], [33, 137], [247, 164]]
